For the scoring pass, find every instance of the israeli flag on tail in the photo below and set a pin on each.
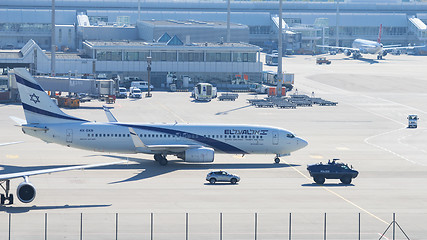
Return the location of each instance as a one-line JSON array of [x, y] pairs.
[[38, 107]]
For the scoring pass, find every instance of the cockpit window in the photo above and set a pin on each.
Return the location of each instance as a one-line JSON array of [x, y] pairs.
[[290, 135]]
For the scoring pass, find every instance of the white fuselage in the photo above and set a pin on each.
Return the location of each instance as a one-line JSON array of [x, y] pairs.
[[367, 46], [115, 137]]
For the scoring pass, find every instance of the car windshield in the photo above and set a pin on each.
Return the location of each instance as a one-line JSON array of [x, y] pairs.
[[122, 90], [136, 91], [344, 166], [413, 117]]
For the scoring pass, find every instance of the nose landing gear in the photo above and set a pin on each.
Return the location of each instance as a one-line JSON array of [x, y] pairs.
[[277, 159]]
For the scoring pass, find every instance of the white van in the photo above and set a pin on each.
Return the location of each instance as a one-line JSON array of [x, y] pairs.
[[142, 85], [204, 92], [135, 92]]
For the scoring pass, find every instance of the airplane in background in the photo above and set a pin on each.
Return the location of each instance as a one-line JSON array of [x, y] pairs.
[[26, 192], [360, 46], [189, 142]]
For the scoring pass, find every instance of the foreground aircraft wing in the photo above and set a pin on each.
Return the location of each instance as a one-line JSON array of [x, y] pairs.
[[62, 169], [9, 143]]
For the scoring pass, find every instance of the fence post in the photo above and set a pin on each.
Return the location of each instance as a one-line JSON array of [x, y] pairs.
[[117, 225], [290, 226], [220, 226], [359, 226], [256, 225], [81, 226], [10, 223], [45, 226], [186, 226], [151, 226], [394, 225], [324, 229]]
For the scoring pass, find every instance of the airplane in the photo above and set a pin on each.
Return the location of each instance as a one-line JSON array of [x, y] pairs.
[[26, 192], [189, 142], [360, 46]]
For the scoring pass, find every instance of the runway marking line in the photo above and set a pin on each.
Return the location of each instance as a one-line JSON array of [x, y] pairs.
[[339, 196]]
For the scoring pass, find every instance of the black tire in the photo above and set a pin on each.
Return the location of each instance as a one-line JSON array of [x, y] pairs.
[[319, 180], [212, 180], [233, 181], [346, 179], [2, 199], [163, 162], [11, 199], [277, 160]]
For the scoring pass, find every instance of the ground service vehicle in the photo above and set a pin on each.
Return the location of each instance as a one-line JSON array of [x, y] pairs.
[[321, 60], [135, 92], [272, 59], [332, 170], [204, 92], [142, 85], [122, 93], [222, 176], [412, 121]]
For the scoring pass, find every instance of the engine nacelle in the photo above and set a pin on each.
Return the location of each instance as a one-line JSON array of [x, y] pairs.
[[202, 154], [347, 53], [26, 192]]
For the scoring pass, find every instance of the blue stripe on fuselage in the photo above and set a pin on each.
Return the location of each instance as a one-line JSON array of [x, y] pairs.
[[224, 147], [49, 114], [28, 83]]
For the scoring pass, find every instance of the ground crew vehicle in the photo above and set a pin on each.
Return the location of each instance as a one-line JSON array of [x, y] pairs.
[[204, 92], [135, 92], [412, 121], [332, 170], [122, 93], [321, 60], [222, 176]]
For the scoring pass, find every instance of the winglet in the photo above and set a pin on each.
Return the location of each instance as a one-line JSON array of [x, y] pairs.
[[110, 116], [136, 140]]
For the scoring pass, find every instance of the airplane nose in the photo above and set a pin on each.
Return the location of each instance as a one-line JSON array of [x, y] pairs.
[[301, 143]]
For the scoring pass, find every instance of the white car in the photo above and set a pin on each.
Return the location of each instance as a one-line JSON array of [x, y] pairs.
[[135, 92]]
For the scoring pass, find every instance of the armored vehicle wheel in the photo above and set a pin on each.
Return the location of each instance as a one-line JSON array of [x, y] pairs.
[[346, 180], [212, 180], [319, 180]]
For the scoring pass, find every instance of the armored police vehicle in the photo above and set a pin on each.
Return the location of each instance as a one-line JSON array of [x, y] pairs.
[[332, 170]]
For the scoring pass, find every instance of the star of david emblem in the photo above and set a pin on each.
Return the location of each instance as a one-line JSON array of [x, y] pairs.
[[34, 98]]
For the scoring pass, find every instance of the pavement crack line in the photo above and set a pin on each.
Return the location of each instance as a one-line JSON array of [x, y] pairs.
[[339, 196]]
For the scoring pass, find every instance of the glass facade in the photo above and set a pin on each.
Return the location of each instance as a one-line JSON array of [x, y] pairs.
[[25, 27], [173, 56]]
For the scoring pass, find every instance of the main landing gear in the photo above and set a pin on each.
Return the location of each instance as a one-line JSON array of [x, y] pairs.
[[6, 196], [161, 159]]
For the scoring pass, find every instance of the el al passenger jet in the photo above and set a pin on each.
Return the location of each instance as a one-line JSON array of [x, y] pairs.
[[360, 46], [191, 143]]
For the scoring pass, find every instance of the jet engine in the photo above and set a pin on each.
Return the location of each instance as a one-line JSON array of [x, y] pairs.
[[347, 53], [202, 154], [26, 192]]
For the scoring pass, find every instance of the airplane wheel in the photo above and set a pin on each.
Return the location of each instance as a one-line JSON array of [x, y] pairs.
[[277, 160], [3, 198], [11, 199], [157, 157], [163, 161]]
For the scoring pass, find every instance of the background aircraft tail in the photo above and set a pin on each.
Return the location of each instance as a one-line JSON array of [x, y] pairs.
[[379, 33], [38, 106]]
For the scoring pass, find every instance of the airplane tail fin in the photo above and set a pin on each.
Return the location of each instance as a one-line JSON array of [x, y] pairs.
[[379, 34], [38, 106]]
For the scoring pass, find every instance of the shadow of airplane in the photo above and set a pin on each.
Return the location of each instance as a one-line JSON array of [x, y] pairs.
[[151, 168], [367, 60], [11, 209]]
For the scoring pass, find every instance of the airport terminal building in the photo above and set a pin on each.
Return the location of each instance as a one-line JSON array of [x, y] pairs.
[[117, 38]]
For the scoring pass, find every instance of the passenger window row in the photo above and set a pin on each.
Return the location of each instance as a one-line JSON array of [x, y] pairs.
[[173, 136]]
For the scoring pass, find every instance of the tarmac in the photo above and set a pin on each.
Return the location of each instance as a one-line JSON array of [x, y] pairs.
[[367, 129]]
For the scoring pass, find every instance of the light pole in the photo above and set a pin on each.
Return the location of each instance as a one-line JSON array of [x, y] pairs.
[[149, 77]]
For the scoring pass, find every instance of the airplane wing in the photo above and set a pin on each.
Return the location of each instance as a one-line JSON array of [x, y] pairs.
[[168, 148], [407, 47], [110, 116], [8, 176], [335, 47]]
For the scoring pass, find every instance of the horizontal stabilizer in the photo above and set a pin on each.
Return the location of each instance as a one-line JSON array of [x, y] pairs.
[[110, 116], [34, 128]]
